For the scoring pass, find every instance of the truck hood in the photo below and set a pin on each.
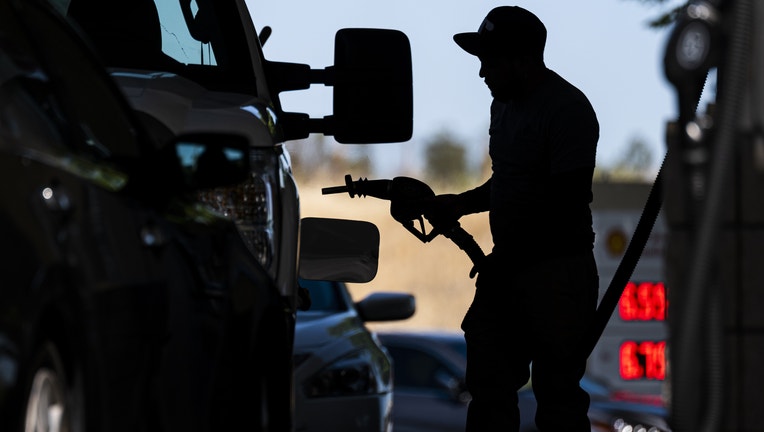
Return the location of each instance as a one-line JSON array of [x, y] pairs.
[[184, 106]]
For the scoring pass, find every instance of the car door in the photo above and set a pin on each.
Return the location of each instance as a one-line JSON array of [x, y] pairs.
[[90, 254]]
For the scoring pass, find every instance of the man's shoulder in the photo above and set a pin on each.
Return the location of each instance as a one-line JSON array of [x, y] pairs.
[[561, 95], [557, 85]]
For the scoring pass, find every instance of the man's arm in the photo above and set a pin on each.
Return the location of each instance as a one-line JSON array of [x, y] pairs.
[[475, 200], [445, 208]]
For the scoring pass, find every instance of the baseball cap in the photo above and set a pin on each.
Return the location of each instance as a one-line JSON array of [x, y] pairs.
[[509, 29]]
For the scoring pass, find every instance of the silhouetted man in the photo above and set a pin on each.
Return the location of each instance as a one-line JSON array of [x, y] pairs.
[[536, 292]]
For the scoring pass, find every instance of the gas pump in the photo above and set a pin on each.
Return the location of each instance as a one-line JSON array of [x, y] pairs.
[[715, 219]]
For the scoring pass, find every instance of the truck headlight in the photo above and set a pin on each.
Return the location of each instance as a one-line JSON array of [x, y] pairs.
[[252, 204]]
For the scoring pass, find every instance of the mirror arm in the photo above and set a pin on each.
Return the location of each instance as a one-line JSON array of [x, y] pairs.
[[296, 76]]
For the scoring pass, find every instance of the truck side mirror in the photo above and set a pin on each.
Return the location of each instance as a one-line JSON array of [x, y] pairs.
[[373, 96], [373, 93]]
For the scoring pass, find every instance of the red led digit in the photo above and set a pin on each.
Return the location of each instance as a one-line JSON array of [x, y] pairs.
[[645, 301], [660, 301], [629, 362], [627, 306], [655, 361], [645, 349]]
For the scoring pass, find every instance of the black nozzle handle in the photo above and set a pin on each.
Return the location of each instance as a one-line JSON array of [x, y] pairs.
[[349, 187], [333, 190]]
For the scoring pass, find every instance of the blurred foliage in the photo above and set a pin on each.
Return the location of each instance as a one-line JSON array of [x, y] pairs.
[[634, 164], [446, 166], [319, 157], [667, 16], [445, 160], [637, 156]]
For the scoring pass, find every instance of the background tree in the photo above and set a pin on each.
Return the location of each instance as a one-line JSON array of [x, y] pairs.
[[633, 165], [446, 161], [636, 158], [317, 157], [667, 16]]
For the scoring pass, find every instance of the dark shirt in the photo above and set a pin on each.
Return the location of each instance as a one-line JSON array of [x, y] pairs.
[[543, 151]]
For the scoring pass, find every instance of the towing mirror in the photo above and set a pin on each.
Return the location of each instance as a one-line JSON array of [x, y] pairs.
[[373, 96]]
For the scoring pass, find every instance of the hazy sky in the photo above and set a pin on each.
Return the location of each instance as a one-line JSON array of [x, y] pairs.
[[602, 46]]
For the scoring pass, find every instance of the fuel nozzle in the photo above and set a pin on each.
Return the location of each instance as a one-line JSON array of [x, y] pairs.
[[361, 188]]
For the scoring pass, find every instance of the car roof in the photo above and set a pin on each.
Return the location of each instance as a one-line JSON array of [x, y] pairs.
[[433, 334], [452, 340]]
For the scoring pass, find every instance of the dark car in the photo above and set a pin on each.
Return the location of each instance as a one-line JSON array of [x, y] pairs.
[[430, 392], [343, 376], [126, 305]]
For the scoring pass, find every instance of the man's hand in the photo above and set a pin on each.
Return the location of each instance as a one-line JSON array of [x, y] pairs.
[[442, 211]]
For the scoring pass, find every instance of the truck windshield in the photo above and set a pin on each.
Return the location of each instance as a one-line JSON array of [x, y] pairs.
[[202, 40]]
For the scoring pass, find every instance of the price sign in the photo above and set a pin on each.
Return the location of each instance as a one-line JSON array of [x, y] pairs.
[[643, 360], [643, 301]]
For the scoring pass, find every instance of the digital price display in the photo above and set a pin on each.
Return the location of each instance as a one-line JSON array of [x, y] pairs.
[[643, 301], [643, 360]]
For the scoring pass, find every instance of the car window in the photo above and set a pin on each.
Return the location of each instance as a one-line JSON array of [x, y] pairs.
[[459, 346], [76, 103], [325, 296], [202, 40], [177, 41], [417, 369]]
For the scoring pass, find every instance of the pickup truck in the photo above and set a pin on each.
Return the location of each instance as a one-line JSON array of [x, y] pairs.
[[191, 66]]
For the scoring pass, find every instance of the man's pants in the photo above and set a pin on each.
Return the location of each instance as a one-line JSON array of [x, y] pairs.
[[530, 314]]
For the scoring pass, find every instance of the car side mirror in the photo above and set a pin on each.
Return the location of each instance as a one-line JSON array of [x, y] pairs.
[[338, 250]]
